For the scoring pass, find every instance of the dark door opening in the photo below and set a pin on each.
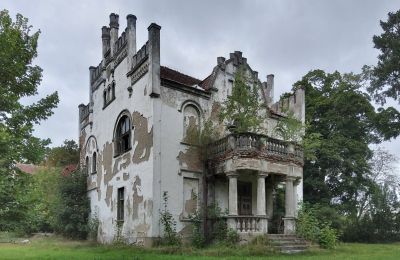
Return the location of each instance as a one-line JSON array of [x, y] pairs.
[[244, 198]]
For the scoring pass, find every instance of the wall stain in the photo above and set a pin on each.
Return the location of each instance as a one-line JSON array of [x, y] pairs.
[[143, 139], [107, 162], [136, 198], [191, 204], [190, 159], [108, 198]]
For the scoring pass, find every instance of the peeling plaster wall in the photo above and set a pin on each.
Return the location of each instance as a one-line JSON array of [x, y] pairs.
[[132, 170]]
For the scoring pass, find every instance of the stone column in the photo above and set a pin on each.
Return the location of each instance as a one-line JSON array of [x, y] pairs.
[[261, 212], [233, 199], [289, 219]]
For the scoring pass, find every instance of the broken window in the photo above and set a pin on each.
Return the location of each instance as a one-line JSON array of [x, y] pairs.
[[123, 135], [94, 163], [120, 204]]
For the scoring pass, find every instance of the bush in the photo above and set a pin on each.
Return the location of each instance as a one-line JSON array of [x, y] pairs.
[[171, 237], [313, 228], [73, 211]]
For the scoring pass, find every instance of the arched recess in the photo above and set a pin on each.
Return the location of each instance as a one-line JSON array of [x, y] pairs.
[[191, 124], [122, 134], [91, 148]]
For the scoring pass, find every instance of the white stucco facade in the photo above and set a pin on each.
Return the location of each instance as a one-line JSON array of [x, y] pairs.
[[132, 168]]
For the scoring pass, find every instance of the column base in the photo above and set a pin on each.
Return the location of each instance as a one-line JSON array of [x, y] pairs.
[[231, 222], [289, 224], [263, 224]]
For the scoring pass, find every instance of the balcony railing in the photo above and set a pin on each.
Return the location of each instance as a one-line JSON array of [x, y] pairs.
[[255, 144]]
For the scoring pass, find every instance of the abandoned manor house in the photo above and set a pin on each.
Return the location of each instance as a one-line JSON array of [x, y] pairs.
[[134, 145]]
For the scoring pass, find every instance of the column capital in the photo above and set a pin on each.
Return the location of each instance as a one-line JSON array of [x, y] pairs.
[[261, 174], [291, 178], [232, 174]]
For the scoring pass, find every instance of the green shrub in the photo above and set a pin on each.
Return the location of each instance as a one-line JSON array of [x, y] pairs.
[[327, 237], [313, 228], [73, 211], [232, 237], [171, 237]]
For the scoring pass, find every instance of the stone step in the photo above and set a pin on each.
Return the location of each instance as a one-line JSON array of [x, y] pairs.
[[289, 244]]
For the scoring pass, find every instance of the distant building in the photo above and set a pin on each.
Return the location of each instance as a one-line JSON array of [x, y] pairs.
[[133, 146], [28, 168]]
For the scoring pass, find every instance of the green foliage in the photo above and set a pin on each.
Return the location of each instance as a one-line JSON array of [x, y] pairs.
[[198, 239], [232, 237], [18, 79], [340, 113], [45, 201], [73, 211], [218, 222], [242, 108], [63, 155], [171, 237], [93, 227], [314, 228], [385, 76]]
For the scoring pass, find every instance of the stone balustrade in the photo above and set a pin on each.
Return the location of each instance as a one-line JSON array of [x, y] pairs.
[[262, 145], [248, 224]]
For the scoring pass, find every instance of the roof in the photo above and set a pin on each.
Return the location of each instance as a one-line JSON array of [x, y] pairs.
[[28, 168], [173, 75], [69, 169]]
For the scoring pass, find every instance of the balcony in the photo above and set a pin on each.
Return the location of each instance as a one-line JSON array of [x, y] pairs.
[[256, 146]]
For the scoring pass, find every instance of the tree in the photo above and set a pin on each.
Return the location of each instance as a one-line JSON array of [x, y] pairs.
[[19, 78], [385, 76], [339, 111], [64, 155], [241, 109]]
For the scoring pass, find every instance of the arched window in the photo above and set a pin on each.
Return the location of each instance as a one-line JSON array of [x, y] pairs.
[[123, 135], [94, 163], [87, 164], [105, 98], [191, 124]]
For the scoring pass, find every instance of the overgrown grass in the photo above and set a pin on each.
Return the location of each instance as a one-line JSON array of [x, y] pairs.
[[58, 248]]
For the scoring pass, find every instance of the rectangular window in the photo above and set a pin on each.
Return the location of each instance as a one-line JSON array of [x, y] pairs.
[[121, 204], [190, 196]]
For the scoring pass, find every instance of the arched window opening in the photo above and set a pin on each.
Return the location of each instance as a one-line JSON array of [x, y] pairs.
[[105, 98], [94, 163], [87, 164], [191, 124], [123, 135]]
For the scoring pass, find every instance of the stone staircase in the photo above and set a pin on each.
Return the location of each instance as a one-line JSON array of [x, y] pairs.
[[289, 244]]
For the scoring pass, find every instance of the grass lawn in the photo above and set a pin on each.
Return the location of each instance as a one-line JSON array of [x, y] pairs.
[[57, 248]]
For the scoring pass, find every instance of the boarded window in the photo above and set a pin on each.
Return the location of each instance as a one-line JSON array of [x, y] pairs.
[[120, 204], [190, 196], [191, 124]]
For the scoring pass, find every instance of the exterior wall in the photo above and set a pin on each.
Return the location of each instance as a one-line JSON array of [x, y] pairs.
[[132, 170], [160, 159]]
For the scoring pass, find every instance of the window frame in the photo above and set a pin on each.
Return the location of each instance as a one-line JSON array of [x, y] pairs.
[[121, 204], [123, 140], [94, 163]]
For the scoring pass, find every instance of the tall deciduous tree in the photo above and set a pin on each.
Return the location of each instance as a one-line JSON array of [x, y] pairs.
[[19, 78], [242, 107], [385, 76], [339, 111]]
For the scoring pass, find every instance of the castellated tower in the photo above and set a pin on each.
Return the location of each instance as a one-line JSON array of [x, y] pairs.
[[135, 144]]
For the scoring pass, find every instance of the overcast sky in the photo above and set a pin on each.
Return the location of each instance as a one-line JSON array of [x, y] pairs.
[[286, 38]]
